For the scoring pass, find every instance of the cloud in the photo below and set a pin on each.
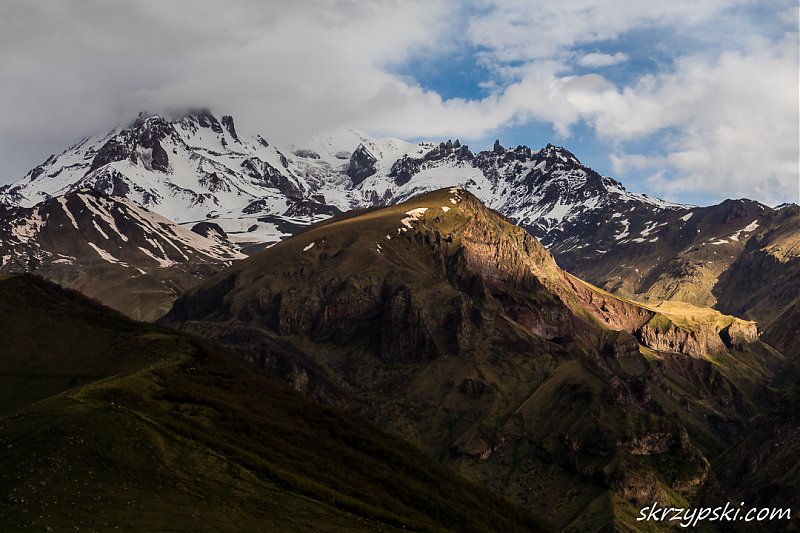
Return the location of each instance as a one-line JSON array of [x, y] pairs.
[[524, 30], [598, 59], [283, 67], [732, 123], [709, 110]]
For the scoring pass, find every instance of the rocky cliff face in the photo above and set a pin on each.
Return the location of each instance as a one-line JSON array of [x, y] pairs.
[[362, 165], [703, 339], [672, 339]]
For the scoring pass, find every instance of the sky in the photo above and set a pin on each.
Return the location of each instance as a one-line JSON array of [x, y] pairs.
[[690, 100]]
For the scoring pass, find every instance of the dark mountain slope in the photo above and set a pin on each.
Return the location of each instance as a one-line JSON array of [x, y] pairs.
[[739, 257], [763, 283], [674, 255], [55, 339], [446, 324], [111, 249], [109, 424]]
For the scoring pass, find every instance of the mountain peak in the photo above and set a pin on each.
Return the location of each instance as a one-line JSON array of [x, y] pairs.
[[559, 152]]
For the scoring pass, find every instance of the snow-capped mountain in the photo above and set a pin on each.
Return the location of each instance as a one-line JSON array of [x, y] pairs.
[[543, 190], [197, 168], [112, 249], [191, 169]]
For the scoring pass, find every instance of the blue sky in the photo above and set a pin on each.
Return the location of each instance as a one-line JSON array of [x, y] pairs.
[[653, 49], [694, 101]]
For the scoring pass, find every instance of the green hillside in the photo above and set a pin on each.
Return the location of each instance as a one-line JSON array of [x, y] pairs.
[[108, 423]]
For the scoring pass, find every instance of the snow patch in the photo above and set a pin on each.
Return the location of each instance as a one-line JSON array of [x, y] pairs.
[[162, 262], [625, 227], [413, 215], [99, 229], [63, 202], [651, 226], [104, 214], [103, 254], [751, 226], [310, 246], [28, 228]]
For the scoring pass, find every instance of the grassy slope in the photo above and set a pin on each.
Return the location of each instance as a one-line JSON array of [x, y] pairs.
[[123, 424], [55, 339]]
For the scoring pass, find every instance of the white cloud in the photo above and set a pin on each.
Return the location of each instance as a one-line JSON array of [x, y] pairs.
[[725, 110], [733, 124], [599, 59], [525, 30], [282, 67]]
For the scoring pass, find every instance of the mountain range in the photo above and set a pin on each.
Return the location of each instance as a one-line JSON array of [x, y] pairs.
[[577, 349], [198, 168]]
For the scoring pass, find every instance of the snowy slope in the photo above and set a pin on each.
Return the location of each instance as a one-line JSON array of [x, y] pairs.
[[87, 227], [548, 191], [191, 169]]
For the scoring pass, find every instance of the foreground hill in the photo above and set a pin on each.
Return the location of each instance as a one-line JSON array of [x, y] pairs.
[[446, 324], [110, 424]]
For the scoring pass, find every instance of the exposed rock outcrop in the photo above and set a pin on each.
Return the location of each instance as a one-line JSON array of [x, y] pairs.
[[362, 165], [210, 230], [700, 340]]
